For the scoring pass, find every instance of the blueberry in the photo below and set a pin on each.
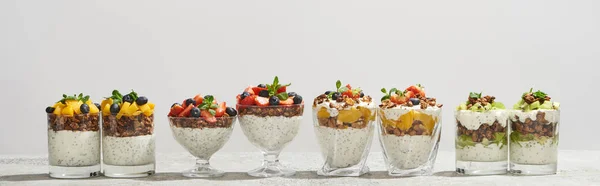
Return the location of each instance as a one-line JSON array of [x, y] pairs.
[[189, 101], [206, 97], [262, 86], [84, 108], [195, 112], [362, 94], [292, 94], [114, 108], [128, 98], [263, 93], [244, 95], [297, 99], [49, 110], [415, 101], [230, 111], [336, 95], [98, 106], [175, 104], [141, 101], [274, 100], [328, 92]]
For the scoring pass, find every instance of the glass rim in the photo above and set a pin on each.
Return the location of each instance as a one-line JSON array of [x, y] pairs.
[[198, 118], [269, 106]]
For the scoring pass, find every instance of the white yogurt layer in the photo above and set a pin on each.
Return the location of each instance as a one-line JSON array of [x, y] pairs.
[[480, 153], [334, 112], [533, 152], [202, 143], [270, 133], [128, 151], [553, 116], [407, 152], [395, 112], [472, 120], [73, 148], [344, 147]]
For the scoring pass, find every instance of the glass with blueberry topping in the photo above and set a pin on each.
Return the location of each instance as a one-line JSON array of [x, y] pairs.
[[270, 118], [128, 135], [73, 138], [202, 126]]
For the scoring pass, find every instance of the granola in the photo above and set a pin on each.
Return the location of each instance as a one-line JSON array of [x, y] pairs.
[[128, 126], [80, 122]]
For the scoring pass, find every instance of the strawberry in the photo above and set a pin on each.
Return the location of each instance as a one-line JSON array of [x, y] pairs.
[[221, 110], [417, 90], [198, 98], [249, 90], [205, 114], [410, 94], [288, 101], [257, 90], [186, 112], [238, 98], [349, 87], [260, 101], [398, 99], [281, 89], [248, 100], [175, 110]]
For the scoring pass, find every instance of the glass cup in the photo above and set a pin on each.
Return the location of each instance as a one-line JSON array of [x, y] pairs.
[[270, 129], [481, 142], [409, 138], [345, 140], [128, 146], [74, 146], [534, 142], [202, 139]]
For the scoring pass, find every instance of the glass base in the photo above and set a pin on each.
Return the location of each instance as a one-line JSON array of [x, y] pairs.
[[481, 168], [116, 171], [351, 171], [74, 172], [425, 170], [522, 169], [272, 170]]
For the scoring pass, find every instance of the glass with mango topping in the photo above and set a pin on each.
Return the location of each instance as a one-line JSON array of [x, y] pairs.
[[409, 130], [534, 134], [343, 123], [73, 138], [481, 140], [128, 135]]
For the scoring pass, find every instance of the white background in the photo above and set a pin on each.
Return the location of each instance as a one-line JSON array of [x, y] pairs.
[[171, 50]]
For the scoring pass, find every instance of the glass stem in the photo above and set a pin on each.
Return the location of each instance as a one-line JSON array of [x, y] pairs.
[[202, 164], [271, 160]]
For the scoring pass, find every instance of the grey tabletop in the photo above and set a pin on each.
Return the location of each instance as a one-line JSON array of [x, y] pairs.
[[575, 168]]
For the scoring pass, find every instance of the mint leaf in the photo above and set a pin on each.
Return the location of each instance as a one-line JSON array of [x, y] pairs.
[[474, 95], [214, 106], [343, 89], [393, 90], [275, 81], [383, 90], [338, 84], [385, 97], [282, 96], [539, 94], [212, 112]]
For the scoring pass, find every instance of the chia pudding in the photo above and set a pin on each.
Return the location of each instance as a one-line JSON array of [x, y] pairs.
[[534, 134], [202, 140], [409, 125], [73, 138], [343, 125]]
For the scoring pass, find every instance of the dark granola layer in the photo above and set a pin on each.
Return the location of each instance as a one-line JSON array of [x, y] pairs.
[[417, 129], [539, 127], [287, 111], [484, 131], [128, 125], [81, 122], [332, 122], [184, 122]]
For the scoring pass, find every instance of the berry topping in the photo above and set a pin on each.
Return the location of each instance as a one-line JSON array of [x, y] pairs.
[[297, 99], [261, 101], [141, 100], [415, 101], [49, 110], [195, 112], [335, 95], [264, 93], [84, 108], [328, 92], [244, 95], [261, 94], [292, 94], [273, 100], [97, 105], [189, 101], [115, 108], [411, 96], [231, 111], [128, 98], [262, 86]]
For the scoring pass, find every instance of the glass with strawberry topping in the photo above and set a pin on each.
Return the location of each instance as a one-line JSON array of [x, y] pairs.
[[534, 134], [343, 122], [270, 118], [73, 138], [481, 140], [128, 135], [409, 128], [202, 126]]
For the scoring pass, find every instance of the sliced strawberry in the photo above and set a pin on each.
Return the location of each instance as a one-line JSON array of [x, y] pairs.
[[410, 94], [260, 101], [205, 114], [221, 110], [249, 90], [348, 93], [282, 89], [175, 110], [186, 112], [248, 100], [349, 87], [238, 98], [288, 101], [198, 98], [257, 90], [417, 90]]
